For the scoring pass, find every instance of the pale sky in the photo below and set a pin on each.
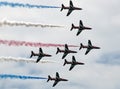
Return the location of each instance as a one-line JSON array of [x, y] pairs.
[[101, 69]]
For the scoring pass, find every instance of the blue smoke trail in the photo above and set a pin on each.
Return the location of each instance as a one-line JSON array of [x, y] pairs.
[[5, 3], [4, 76]]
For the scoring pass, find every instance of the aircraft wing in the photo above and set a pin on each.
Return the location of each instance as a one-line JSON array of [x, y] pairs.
[[38, 59], [81, 23], [70, 8], [55, 83], [73, 59], [64, 55], [57, 75], [40, 50], [66, 47], [71, 4], [89, 43], [87, 51], [71, 67], [69, 12], [79, 31]]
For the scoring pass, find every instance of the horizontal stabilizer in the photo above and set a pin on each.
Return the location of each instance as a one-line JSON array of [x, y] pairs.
[[81, 46], [32, 54], [62, 7], [49, 78], [72, 27], [65, 62], [58, 50]]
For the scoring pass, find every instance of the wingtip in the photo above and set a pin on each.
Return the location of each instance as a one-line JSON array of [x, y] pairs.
[[77, 34], [70, 69], [86, 53], [37, 61], [89, 40], [63, 57], [53, 86], [67, 15]]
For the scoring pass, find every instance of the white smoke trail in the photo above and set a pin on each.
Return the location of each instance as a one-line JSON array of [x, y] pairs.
[[12, 59], [26, 24]]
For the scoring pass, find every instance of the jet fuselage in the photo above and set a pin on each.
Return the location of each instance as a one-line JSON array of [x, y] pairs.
[[81, 27], [85, 28], [58, 79], [68, 51], [75, 63], [72, 8], [41, 54], [91, 47]]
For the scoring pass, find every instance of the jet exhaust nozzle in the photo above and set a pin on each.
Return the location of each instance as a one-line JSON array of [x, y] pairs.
[[58, 50], [72, 27], [62, 7], [81, 46]]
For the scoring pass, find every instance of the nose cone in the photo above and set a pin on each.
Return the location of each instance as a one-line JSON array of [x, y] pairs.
[[81, 63], [50, 55], [75, 51], [98, 47], [66, 80], [90, 28], [81, 9], [63, 79]]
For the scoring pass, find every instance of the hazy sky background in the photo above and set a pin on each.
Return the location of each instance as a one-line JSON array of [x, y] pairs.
[[101, 69]]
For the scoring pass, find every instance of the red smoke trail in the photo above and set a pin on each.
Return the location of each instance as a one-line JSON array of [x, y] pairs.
[[32, 44]]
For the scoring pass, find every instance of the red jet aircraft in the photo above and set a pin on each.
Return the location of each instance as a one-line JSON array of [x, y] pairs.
[[80, 28], [66, 51], [73, 63], [57, 79], [70, 8], [40, 55], [89, 47]]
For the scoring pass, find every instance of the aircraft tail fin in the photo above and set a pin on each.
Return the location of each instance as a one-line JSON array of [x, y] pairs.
[[49, 78], [65, 62], [62, 7], [72, 27], [32, 54], [58, 50], [81, 46]]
